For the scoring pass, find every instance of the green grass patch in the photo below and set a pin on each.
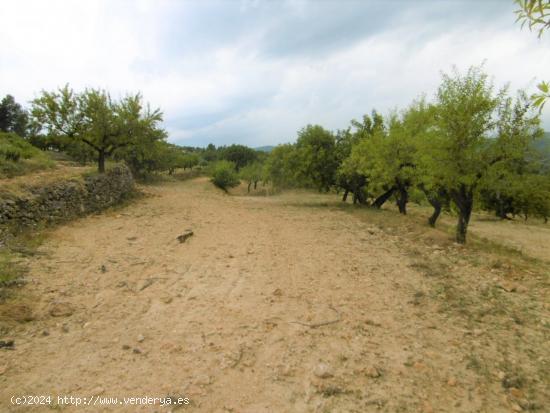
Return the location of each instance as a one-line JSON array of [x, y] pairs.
[[19, 157]]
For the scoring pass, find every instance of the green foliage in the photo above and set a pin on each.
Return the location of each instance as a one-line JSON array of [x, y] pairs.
[[536, 15], [240, 155], [252, 174], [540, 98], [224, 175], [18, 156], [282, 165], [94, 119], [13, 118], [190, 160], [348, 175], [512, 158], [456, 157], [316, 151]]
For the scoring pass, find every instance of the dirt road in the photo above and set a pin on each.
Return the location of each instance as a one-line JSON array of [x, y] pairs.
[[272, 306]]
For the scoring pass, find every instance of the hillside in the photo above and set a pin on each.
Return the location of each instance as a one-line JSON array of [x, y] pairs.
[[267, 148]]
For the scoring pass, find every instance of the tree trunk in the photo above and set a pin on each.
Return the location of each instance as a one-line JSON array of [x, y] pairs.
[[464, 200], [436, 201], [255, 185], [101, 161], [249, 185], [378, 202], [345, 197], [360, 195], [437, 211], [402, 199]]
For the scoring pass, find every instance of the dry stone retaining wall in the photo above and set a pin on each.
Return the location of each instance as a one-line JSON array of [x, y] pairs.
[[63, 200]]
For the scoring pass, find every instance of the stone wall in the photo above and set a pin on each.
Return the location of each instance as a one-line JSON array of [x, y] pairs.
[[63, 200]]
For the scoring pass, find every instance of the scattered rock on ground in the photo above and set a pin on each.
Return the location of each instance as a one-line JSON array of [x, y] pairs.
[[323, 371], [507, 286], [183, 237], [61, 309], [9, 344], [372, 372]]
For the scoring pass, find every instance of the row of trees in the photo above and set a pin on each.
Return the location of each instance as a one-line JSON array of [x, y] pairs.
[[470, 146], [91, 127]]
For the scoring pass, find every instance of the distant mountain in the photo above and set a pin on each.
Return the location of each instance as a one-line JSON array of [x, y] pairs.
[[267, 148]]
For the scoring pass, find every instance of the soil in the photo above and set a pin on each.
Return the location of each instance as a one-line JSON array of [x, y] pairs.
[[284, 303]]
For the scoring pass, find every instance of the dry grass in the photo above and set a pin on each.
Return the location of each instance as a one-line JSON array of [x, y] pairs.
[[61, 171]]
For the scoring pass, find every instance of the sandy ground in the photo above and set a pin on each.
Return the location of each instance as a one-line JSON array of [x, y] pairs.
[[272, 306], [533, 240]]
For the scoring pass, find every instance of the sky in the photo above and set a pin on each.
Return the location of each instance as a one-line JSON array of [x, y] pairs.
[[255, 72]]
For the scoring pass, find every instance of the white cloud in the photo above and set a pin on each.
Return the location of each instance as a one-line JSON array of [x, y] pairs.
[[256, 72]]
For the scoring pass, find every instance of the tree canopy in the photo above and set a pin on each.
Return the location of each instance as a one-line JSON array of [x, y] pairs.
[[13, 118], [95, 119]]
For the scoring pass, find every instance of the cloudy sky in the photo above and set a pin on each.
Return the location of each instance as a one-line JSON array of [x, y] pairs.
[[254, 72]]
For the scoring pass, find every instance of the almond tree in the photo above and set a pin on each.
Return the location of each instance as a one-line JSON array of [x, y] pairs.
[[95, 119]]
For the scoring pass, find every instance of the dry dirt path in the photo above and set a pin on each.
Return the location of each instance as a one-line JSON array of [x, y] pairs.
[[123, 309]]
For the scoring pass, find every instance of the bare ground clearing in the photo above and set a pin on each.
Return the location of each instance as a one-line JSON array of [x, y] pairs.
[[121, 308]]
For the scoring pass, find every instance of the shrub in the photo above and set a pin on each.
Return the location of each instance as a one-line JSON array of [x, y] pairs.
[[224, 175]]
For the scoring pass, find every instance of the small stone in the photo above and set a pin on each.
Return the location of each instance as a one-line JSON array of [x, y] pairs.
[[427, 407], [3, 368], [451, 381], [507, 286], [97, 391], [203, 380], [167, 300], [65, 328], [517, 393], [103, 268], [419, 365], [125, 347], [61, 309], [45, 333], [140, 338], [323, 371], [516, 407], [372, 372], [183, 237], [278, 292], [136, 350]]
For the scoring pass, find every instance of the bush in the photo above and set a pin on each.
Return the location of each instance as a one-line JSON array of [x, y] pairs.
[[224, 175]]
